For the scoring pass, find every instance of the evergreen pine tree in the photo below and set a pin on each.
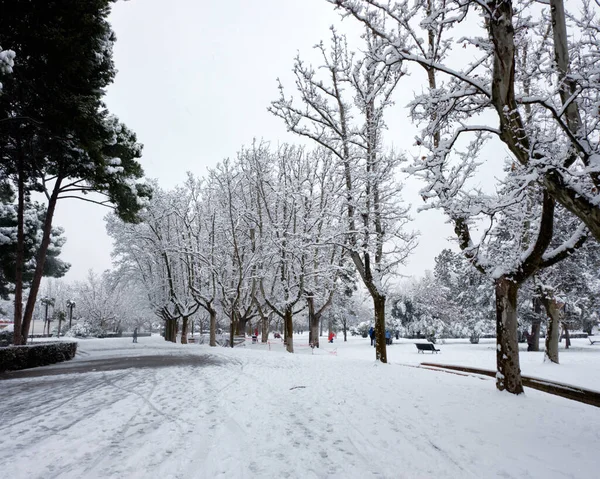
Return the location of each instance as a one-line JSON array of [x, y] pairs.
[[56, 135]]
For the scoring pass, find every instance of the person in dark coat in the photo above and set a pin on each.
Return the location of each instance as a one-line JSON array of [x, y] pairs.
[[372, 334], [135, 335]]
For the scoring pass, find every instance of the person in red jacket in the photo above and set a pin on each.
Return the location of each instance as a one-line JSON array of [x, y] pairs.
[[331, 336]]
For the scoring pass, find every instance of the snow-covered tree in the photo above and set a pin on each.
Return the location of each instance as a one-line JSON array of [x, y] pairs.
[[532, 65], [157, 252], [203, 251], [99, 300], [421, 309], [234, 256], [34, 215], [568, 292], [283, 232], [468, 296], [7, 62], [341, 108]]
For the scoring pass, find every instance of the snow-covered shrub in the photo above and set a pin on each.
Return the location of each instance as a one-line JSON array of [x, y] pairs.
[[85, 329], [6, 337], [7, 62], [362, 329]]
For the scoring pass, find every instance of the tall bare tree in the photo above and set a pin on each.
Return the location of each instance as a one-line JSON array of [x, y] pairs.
[[343, 112]]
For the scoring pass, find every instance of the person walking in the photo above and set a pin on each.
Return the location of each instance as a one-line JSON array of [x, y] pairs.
[[331, 336], [372, 334], [135, 335]]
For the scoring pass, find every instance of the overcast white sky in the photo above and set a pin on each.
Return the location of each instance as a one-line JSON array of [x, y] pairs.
[[194, 82]]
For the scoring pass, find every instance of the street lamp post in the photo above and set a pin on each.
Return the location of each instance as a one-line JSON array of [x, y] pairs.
[[61, 317], [32, 326], [46, 301], [70, 305]]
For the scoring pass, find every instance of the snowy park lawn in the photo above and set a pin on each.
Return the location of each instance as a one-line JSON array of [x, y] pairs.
[[256, 411], [579, 365]]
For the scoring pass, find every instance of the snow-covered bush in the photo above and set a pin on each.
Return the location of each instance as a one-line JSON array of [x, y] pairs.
[[85, 329], [362, 329], [6, 62], [6, 337]]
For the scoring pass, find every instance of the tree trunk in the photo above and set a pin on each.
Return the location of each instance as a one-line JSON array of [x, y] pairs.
[[535, 335], [265, 329], [553, 330], [171, 330], [240, 329], [289, 328], [313, 323], [184, 330], [212, 341], [46, 322], [314, 331], [232, 329], [380, 347], [40, 260], [18, 317], [508, 376]]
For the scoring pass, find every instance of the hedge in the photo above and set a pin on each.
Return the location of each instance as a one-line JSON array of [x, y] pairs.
[[31, 356]]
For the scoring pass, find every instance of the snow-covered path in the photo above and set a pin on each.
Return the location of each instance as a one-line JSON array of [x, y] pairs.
[[250, 414]]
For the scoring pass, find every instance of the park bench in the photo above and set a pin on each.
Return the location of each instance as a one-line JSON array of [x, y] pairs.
[[594, 339], [422, 347]]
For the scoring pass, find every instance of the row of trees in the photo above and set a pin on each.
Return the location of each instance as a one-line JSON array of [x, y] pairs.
[[262, 236], [102, 303], [455, 300], [276, 232]]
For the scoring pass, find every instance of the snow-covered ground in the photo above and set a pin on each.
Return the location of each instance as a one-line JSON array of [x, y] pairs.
[[256, 411]]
